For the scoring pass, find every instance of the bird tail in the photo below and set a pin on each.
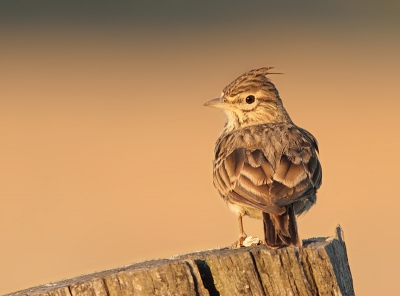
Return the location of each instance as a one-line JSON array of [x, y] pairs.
[[279, 229]]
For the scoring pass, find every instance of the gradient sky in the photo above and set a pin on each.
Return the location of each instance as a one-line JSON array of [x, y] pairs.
[[106, 151]]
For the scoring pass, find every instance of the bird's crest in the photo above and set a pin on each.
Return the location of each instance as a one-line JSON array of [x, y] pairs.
[[252, 77]]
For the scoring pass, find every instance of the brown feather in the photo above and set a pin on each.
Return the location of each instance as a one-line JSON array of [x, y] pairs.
[[240, 156], [280, 191], [295, 175], [272, 238], [230, 165], [312, 164], [234, 163], [281, 223], [224, 176], [282, 169], [261, 191], [305, 155], [269, 172], [256, 175], [236, 198], [219, 183], [289, 173], [250, 197], [317, 176], [255, 158]]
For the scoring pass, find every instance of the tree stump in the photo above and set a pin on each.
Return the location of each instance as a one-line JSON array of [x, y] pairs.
[[319, 267]]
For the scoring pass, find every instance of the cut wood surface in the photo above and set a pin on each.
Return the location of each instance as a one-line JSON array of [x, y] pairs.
[[319, 267]]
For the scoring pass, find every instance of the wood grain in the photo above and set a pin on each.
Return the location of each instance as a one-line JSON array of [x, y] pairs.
[[319, 267]]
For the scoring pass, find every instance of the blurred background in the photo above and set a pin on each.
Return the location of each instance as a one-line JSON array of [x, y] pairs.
[[106, 149]]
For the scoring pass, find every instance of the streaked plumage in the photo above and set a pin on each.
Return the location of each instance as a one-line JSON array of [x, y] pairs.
[[265, 166]]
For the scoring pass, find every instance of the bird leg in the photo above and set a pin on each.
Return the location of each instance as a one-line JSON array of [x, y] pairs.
[[242, 234]]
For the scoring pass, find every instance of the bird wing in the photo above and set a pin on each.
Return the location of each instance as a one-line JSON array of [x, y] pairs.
[[270, 172]]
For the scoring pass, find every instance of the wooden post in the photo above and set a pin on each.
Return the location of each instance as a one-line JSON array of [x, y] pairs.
[[319, 267]]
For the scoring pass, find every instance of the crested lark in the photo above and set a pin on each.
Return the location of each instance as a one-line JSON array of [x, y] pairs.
[[265, 166]]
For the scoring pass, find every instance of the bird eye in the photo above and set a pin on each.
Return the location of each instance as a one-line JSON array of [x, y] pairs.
[[250, 99]]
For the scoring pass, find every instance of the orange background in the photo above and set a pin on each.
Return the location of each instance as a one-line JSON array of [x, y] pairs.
[[106, 150]]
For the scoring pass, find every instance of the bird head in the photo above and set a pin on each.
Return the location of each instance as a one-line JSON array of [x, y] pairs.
[[250, 99]]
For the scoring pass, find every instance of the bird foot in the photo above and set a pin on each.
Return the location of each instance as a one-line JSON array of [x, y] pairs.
[[248, 241], [239, 242]]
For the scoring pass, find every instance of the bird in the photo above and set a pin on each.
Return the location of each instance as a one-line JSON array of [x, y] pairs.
[[265, 166]]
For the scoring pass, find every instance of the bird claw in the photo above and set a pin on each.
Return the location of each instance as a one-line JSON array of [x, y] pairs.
[[248, 241], [238, 243]]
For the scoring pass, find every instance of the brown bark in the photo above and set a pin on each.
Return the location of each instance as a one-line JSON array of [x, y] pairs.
[[319, 267]]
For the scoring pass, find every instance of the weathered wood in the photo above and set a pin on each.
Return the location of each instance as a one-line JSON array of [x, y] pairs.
[[319, 267]]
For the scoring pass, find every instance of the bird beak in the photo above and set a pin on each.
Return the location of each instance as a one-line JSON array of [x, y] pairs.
[[216, 103]]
